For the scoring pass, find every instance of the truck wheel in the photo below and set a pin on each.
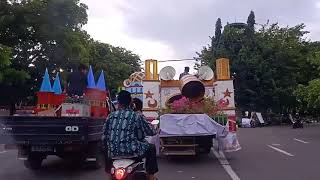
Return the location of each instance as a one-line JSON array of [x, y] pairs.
[[33, 163]]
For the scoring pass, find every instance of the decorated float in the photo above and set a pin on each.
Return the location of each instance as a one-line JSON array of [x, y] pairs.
[[192, 111], [52, 101]]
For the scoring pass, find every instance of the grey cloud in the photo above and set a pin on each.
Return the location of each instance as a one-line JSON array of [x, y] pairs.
[[186, 25]]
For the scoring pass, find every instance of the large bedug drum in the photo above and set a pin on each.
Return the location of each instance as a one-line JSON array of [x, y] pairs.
[[192, 88]]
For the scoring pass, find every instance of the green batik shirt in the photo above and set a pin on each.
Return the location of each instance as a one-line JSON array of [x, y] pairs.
[[124, 133]]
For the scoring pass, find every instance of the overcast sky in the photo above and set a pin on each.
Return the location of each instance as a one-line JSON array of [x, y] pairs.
[[175, 29]]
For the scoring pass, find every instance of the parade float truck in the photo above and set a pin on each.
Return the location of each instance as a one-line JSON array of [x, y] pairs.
[[192, 111], [68, 127]]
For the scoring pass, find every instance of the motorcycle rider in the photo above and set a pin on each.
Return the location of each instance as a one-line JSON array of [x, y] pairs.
[[123, 135]]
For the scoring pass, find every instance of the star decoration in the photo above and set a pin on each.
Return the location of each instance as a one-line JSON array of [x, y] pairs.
[[227, 93], [149, 94]]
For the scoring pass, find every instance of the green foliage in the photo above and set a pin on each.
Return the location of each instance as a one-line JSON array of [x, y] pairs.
[[12, 77], [118, 63], [309, 97], [5, 54], [267, 64]]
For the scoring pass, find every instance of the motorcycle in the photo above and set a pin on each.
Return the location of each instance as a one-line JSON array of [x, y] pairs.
[[130, 167], [298, 122]]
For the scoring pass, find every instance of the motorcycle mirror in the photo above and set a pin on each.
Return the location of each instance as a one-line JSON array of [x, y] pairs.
[[155, 122]]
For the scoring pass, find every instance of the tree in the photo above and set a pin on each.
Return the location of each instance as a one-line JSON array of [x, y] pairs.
[[268, 64], [308, 91], [42, 33], [5, 54], [10, 79], [251, 21], [118, 63], [39, 34], [217, 33], [309, 97]]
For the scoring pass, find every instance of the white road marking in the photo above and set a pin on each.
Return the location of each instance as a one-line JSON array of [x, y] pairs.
[[225, 164], [3, 152], [280, 150], [302, 141], [276, 145]]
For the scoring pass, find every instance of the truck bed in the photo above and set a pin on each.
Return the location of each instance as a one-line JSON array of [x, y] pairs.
[[28, 130]]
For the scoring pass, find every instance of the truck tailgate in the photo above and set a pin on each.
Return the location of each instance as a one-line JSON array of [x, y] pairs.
[[49, 130]]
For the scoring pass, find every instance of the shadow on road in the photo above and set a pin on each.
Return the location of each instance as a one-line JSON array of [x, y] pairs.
[[194, 160], [55, 167]]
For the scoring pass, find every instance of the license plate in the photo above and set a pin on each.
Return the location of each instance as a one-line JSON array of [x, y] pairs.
[[122, 163], [41, 148]]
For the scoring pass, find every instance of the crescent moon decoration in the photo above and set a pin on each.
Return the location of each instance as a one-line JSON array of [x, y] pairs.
[[153, 105]]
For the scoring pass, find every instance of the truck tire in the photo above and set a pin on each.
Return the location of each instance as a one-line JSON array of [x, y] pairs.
[[33, 162]]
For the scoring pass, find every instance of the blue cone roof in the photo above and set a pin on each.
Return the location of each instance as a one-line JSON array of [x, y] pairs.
[[90, 79], [46, 85], [57, 85], [101, 84]]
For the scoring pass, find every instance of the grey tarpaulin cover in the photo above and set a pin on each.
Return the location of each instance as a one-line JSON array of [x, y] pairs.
[[190, 124], [196, 125]]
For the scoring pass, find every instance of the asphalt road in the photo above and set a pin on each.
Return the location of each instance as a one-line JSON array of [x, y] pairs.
[[267, 153]]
